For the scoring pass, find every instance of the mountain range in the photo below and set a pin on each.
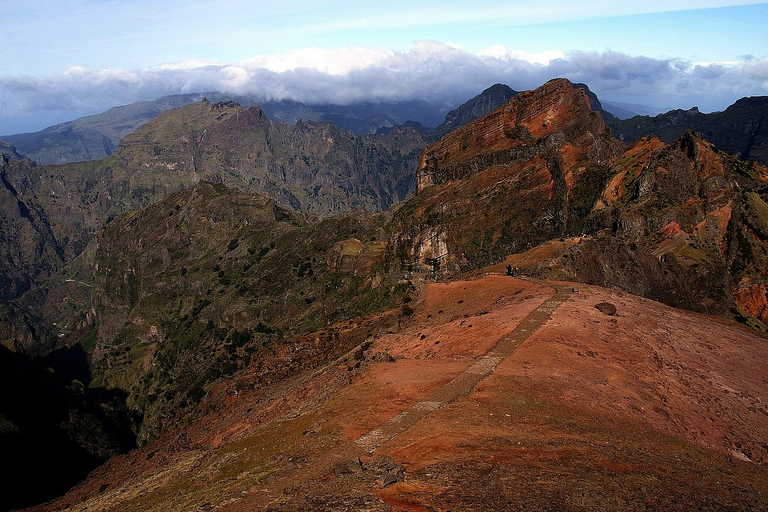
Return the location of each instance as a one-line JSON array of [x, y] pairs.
[[524, 313], [740, 129], [97, 136]]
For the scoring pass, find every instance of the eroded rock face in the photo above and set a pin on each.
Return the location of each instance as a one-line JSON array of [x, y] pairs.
[[355, 257], [753, 300], [522, 174], [554, 117], [681, 223]]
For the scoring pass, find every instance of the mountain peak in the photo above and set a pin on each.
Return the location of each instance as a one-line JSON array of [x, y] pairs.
[[490, 99], [515, 130]]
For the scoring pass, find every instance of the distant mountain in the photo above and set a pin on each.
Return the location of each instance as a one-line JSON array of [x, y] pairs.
[[360, 118], [627, 110], [741, 129], [490, 99], [92, 137], [97, 136], [619, 112]]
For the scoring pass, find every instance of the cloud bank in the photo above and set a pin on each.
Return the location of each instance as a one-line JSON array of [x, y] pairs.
[[440, 73]]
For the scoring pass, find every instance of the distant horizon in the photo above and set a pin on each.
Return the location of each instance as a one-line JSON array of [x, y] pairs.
[[645, 109], [665, 55]]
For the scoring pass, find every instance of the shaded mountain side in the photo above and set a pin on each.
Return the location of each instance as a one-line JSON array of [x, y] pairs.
[[595, 104], [209, 281], [741, 129], [9, 150], [54, 427]]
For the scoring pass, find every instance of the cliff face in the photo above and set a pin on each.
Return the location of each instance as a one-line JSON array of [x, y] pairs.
[[522, 174], [677, 224], [30, 252], [553, 118]]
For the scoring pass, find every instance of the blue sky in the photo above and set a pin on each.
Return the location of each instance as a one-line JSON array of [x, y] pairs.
[[63, 59]]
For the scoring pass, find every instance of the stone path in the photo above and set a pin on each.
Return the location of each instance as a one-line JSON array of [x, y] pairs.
[[466, 381]]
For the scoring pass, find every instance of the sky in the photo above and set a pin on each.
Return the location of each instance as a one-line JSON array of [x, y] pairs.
[[62, 59]]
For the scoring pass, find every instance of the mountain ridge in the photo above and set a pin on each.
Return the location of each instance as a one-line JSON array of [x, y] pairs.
[[740, 129]]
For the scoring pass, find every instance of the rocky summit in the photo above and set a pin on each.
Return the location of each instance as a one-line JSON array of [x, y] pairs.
[[555, 320]]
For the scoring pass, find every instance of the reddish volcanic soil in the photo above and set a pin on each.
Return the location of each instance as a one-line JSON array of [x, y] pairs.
[[498, 394]]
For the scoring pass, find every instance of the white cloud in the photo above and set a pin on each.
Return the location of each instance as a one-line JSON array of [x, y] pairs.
[[441, 73]]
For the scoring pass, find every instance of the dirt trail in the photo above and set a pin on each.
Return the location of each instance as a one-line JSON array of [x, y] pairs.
[[467, 380], [277, 488]]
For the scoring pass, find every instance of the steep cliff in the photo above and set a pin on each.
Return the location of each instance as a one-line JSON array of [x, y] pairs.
[[524, 173], [29, 249], [679, 224]]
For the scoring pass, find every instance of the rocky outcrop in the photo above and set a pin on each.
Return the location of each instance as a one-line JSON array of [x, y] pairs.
[[355, 257], [753, 300], [681, 223], [529, 171], [553, 118]]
